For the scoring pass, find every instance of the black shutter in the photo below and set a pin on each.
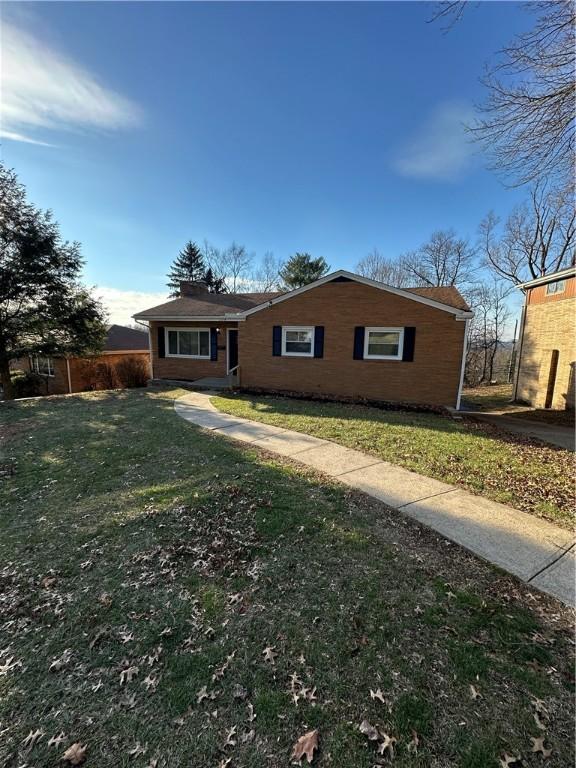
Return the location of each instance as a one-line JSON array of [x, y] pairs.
[[409, 340], [213, 344], [359, 342], [319, 341], [161, 342], [277, 340]]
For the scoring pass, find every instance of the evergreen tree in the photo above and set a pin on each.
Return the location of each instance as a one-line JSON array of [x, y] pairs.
[[188, 265], [215, 284], [43, 308], [302, 269]]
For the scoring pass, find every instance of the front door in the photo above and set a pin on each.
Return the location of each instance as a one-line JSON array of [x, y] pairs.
[[232, 349]]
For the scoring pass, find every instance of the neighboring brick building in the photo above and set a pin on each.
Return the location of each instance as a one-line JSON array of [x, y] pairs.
[[65, 375], [341, 336], [547, 350]]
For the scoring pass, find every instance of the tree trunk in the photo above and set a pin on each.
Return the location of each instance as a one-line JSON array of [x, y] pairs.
[[6, 380]]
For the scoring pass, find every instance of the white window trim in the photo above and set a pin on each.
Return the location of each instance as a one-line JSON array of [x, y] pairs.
[[379, 329], [186, 357], [35, 365], [556, 290], [309, 328]]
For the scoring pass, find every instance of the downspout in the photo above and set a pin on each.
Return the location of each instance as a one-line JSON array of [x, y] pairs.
[[463, 366], [69, 377], [150, 353]]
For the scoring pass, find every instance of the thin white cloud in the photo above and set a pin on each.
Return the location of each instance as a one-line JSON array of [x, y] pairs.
[[440, 149], [42, 89], [121, 305]]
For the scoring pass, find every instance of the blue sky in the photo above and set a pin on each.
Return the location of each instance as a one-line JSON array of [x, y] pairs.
[[326, 127]]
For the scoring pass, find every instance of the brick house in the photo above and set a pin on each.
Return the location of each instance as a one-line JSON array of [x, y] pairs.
[[63, 375], [547, 348], [343, 336]]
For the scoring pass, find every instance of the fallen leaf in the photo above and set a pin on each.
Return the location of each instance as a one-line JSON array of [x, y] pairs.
[[305, 746], [475, 693], [377, 694], [127, 674], [202, 694], [230, 740], [138, 750], [508, 760], [414, 744], [55, 741], [269, 653], [538, 746], [75, 754], [251, 715], [539, 722], [32, 738], [387, 746], [369, 731]]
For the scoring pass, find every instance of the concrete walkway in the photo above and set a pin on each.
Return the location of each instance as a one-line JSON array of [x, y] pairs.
[[539, 552], [555, 434]]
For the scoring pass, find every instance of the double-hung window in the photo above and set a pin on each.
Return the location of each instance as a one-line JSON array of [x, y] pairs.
[[383, 343], [298, 341], [42, 365], [556, 287], [188, 342]]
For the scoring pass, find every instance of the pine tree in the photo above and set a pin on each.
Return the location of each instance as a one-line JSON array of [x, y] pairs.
[[188, 265], [302, 269], [43, 308]]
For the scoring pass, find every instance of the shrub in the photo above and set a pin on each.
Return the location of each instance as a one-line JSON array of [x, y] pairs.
[[132, 372], [98, 375], [26, 383]]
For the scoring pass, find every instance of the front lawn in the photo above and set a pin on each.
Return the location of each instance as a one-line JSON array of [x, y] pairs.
[[169, 598], [512, 469]]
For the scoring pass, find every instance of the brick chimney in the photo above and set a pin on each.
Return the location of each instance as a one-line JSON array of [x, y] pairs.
[[193, 287]]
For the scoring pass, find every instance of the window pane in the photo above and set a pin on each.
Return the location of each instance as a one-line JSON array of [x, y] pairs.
[[185, 347], [204, 343], [173, 342], [383, 343], [299, 341]]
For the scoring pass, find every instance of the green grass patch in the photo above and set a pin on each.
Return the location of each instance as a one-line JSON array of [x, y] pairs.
[[145, 566], [533, 477]]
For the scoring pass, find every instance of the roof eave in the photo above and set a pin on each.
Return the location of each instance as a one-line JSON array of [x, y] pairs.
[[190, 318], [568, 272]]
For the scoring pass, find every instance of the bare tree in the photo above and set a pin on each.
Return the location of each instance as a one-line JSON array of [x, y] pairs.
[[527, 123], [376, 267], [236, 262], [444, 260], [229, 266], [537, 238], [485, 335], [266, 276], [450, 12]]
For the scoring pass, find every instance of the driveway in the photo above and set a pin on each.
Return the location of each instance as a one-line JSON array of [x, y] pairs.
[[560, 436]]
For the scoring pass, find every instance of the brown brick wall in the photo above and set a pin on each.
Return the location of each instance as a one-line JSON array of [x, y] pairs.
[[78, 367], [548, 326], [53, 385], [432, 378], [183, 368], [58, 384]]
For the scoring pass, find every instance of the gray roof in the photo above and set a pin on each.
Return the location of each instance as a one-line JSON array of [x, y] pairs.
[[121, 338], [207, 305]]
